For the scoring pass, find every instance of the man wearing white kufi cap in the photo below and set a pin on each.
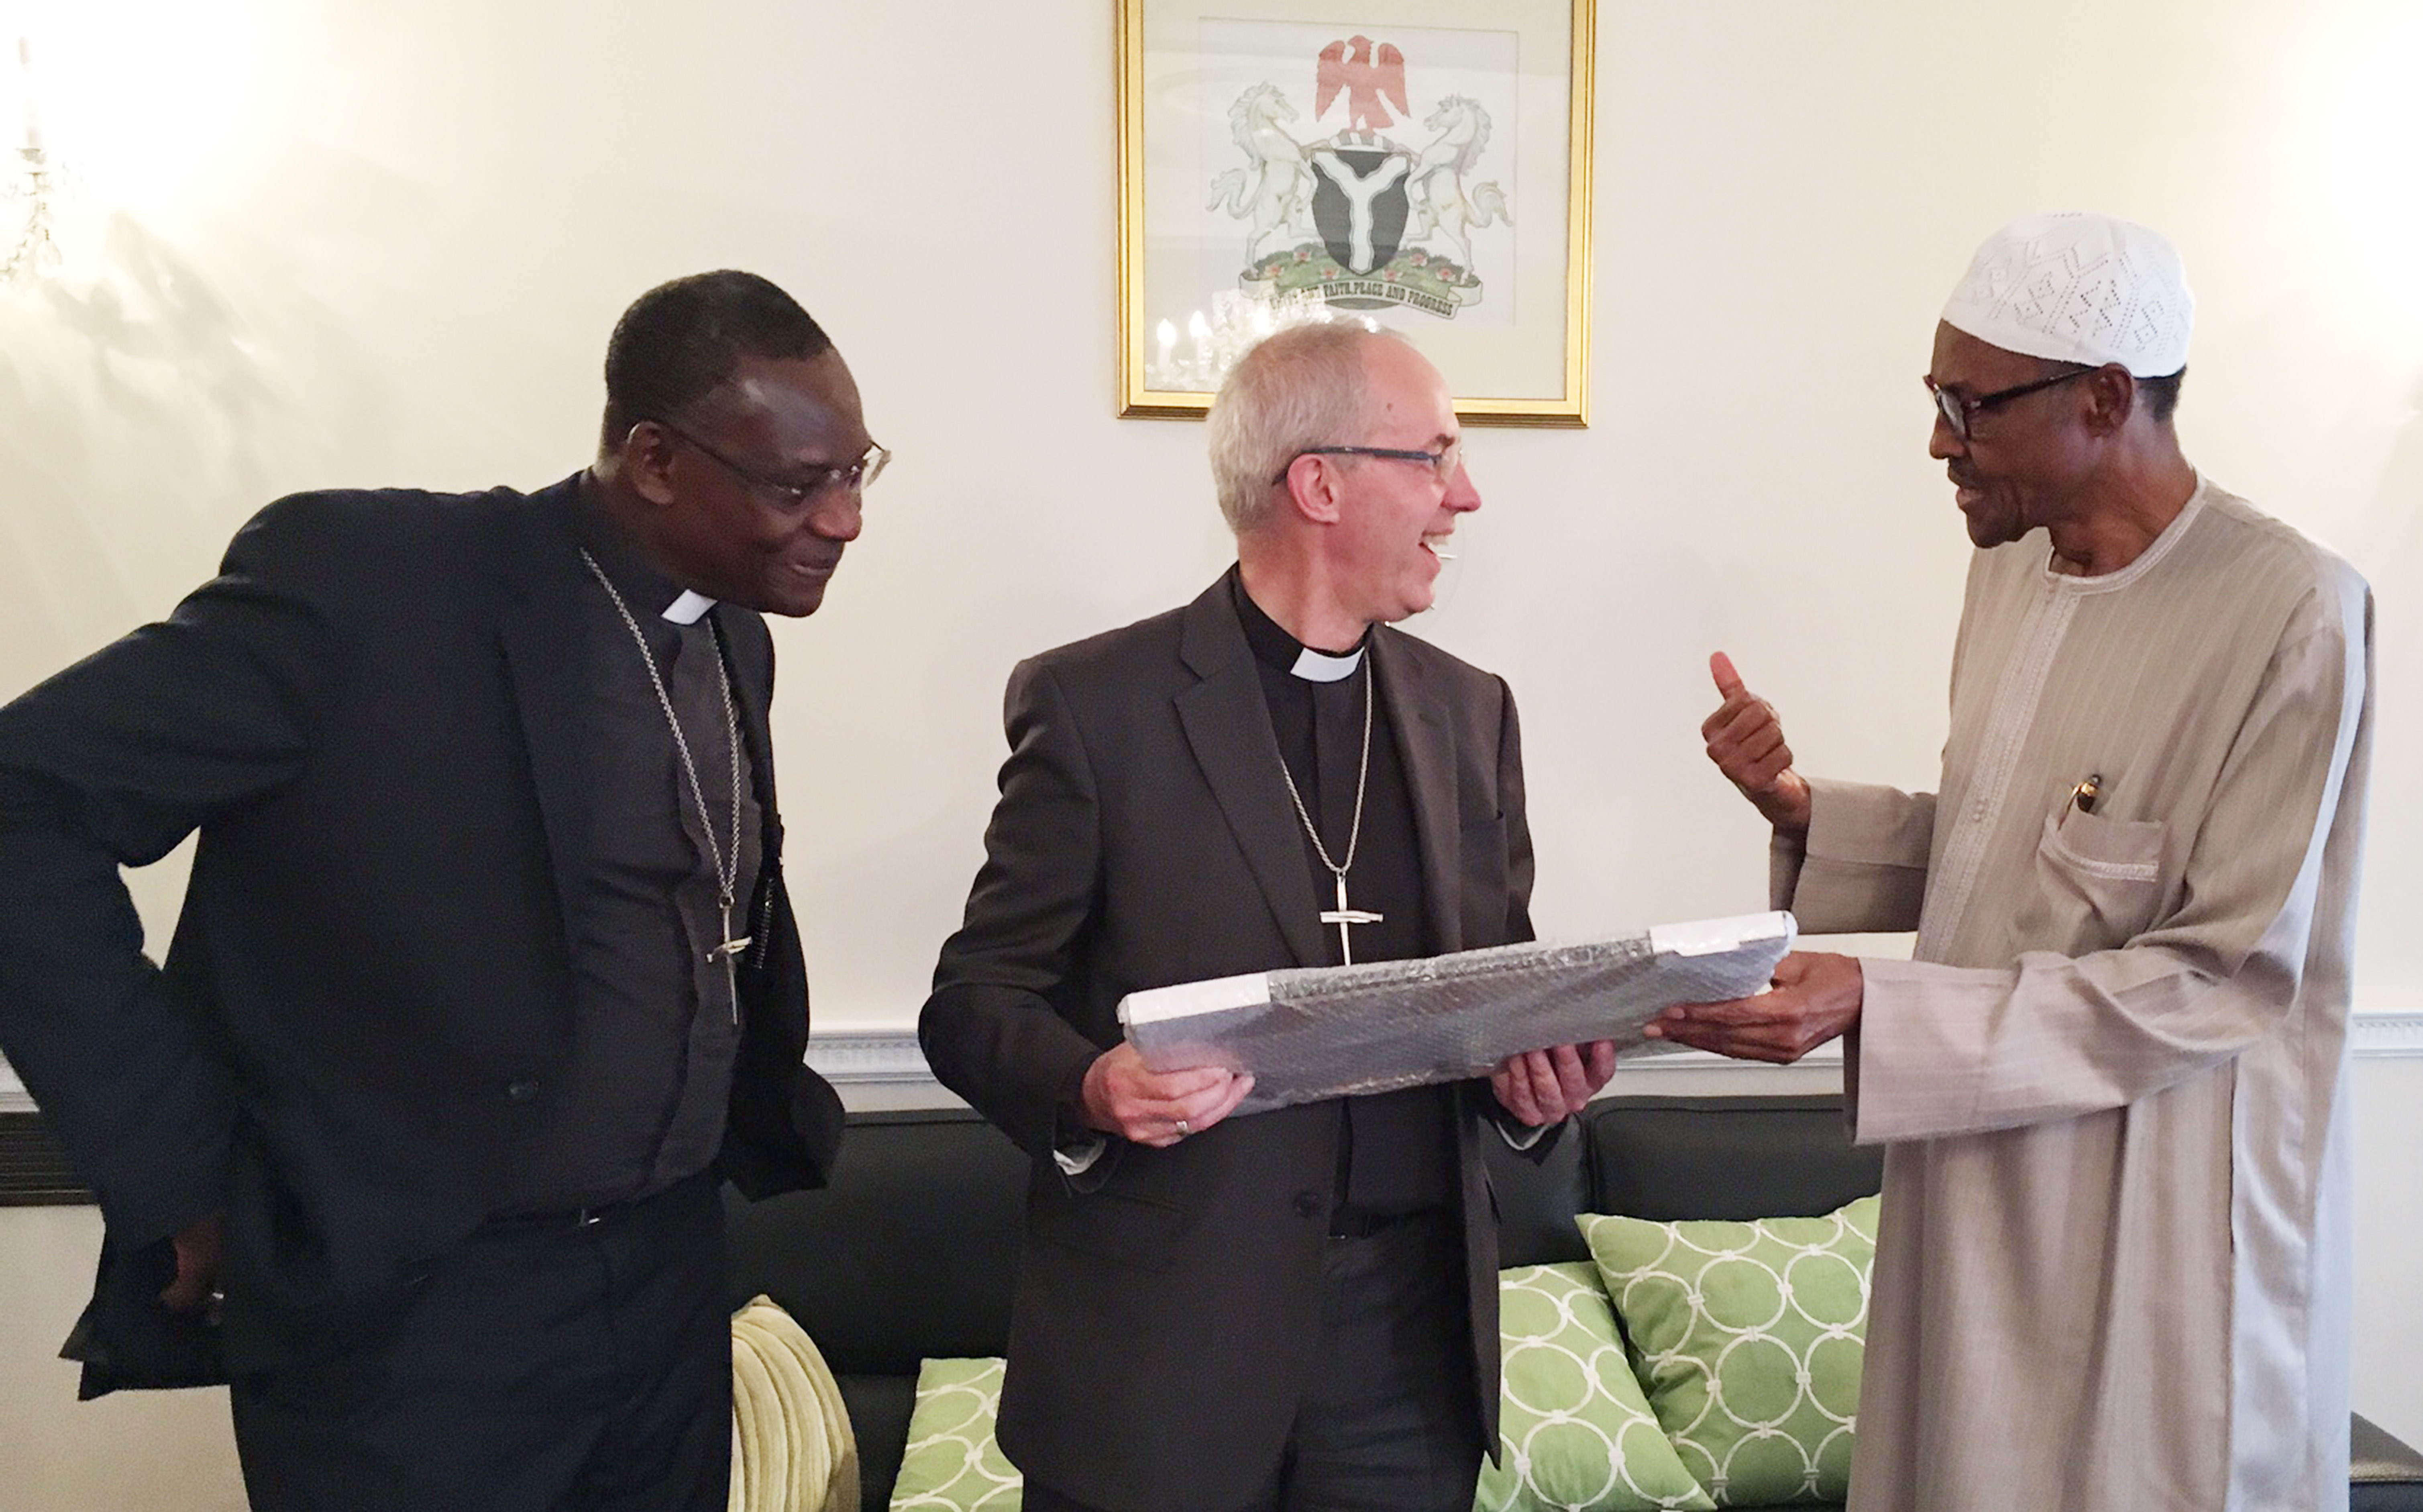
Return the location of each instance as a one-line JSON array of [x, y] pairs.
[[2114, 1269]]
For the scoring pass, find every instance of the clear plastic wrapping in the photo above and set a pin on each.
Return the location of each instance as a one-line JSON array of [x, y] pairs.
[[1330, 1032]]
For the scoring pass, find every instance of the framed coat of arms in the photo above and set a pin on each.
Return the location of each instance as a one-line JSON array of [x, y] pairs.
[[1422, 165]]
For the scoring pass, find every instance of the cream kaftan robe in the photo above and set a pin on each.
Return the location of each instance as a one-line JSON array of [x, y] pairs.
[[2113, 1271]]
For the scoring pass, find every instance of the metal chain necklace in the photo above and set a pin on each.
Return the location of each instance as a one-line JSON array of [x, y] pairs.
[[726, 864], [1345, 914]]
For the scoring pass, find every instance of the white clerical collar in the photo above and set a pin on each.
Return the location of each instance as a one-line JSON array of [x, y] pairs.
[[1320, 666], [690, 606]]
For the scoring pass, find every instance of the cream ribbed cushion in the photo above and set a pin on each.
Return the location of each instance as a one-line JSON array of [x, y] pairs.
[[792, 1449]]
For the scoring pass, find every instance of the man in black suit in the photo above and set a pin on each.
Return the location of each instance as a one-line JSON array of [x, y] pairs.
[[1297, 1309], [485, 973]]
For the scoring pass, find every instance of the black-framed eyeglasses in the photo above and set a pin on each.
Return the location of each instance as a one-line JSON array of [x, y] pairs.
[[797, 492], [1959, 412], [1444, 462]]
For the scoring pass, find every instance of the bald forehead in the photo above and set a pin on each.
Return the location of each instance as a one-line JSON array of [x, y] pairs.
[[1402, 387]]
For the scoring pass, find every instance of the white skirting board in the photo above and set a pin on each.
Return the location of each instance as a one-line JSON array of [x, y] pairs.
[[890, 1057], [885, 1056]]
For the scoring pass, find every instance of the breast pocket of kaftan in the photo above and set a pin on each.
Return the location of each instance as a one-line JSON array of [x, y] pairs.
[[2098, 883]]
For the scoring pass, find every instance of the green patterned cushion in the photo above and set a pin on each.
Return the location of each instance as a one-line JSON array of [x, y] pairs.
[[952, 1460], [1749, 1338], [1574, 1430]]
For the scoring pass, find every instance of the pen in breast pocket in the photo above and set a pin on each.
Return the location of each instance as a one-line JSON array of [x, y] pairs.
[[2084, 795]]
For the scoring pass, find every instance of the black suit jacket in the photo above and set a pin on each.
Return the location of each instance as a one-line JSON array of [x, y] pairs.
[[1166, 1314], [371, 716]]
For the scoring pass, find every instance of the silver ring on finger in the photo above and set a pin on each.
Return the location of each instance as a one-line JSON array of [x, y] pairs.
[[1183, 1129]]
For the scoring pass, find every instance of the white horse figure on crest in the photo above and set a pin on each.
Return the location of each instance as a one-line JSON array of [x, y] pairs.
[[1441, 201], [1274, 193]]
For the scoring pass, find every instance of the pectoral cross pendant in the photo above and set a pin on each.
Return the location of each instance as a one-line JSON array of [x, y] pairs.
[[730, 949], [1343, 915]]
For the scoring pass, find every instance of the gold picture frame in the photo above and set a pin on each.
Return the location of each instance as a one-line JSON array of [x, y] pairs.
[[1414, 163]]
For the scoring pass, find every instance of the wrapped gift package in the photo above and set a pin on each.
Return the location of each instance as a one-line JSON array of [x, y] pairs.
[[1341, 1031]]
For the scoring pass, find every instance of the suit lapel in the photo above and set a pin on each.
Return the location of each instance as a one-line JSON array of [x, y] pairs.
[[1228, 726], [749, 656], [1426, 743], [545, 651]]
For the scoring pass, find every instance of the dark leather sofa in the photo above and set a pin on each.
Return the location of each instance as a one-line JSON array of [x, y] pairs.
[[908, 1254]]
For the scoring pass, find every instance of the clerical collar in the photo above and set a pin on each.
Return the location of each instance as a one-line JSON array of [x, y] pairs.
[[689, 608], [1275, 647], [638, 578]]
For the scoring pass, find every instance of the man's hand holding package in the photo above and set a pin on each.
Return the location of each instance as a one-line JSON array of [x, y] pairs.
[[1816, 998], [1126, 1097], [1542, 1087]]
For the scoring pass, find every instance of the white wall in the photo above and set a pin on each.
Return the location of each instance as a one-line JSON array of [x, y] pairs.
[[394, 256], [323, 241]]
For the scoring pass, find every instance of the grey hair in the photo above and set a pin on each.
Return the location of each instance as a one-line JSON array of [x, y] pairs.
[[1299, 388]]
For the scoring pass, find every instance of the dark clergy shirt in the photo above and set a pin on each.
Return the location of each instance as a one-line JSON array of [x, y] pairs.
[[1395, 1150], [641, 1101]]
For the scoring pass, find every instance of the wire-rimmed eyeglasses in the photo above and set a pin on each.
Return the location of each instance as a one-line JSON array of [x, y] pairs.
[[1444, 462], [798, 492]]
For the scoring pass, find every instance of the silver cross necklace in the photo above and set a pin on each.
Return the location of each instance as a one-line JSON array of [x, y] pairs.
[[1345, 915], [725, 863]]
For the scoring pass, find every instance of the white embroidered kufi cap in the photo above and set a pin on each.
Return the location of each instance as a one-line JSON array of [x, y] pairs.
[[2079, 287]]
